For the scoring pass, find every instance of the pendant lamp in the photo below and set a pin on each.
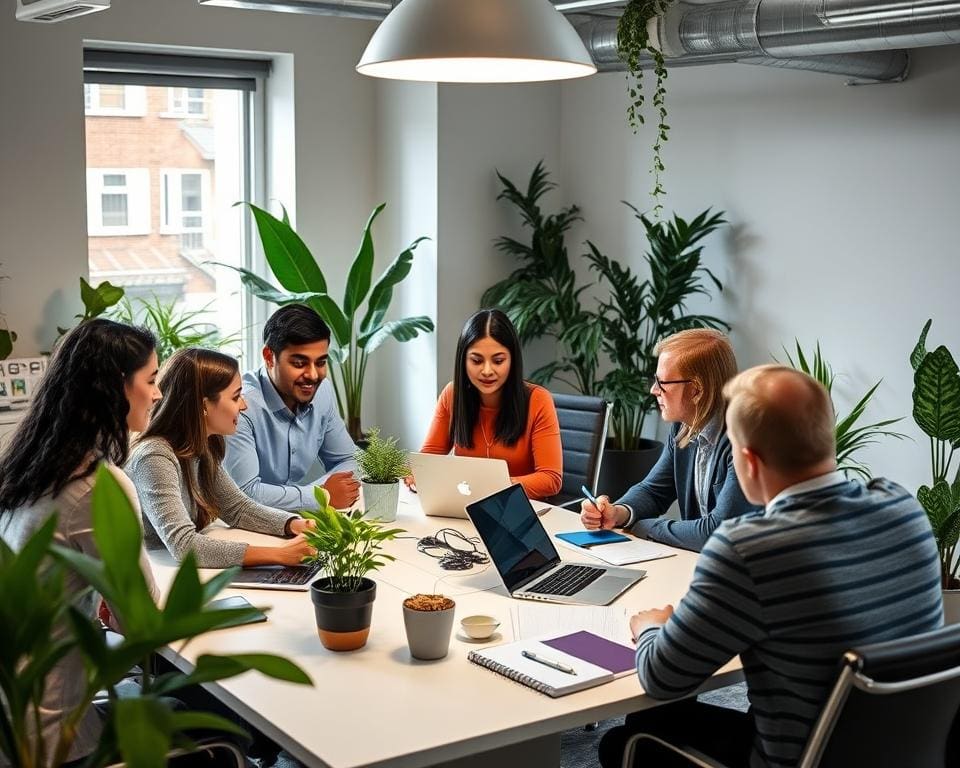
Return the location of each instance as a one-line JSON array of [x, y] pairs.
[[476, 41]]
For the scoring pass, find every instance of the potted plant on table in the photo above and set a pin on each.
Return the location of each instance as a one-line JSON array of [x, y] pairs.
[[348, 547], [936, 410], [428, 621], [355, 335], [381, 465]]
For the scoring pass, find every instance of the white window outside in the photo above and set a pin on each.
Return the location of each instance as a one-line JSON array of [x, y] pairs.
[[185, 206], [186, 102], [118, 201], [103, 100]]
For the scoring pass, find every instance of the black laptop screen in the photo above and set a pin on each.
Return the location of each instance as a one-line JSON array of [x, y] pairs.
[[515, 538]]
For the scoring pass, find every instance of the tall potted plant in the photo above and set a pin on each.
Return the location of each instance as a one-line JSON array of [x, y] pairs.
[[356, 333], [348, 547], [541, 296], [381, 465], [637, 315], [851, 438], [139, 729], [936, 410]]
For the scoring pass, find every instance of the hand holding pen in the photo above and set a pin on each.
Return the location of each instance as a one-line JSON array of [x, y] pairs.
[[598, 512]]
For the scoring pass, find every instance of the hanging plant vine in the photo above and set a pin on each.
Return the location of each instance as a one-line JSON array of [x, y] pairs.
[[633, 43]]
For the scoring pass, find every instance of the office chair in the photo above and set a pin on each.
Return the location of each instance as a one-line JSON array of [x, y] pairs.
[[583, 432], [894, 703], [221, 754]]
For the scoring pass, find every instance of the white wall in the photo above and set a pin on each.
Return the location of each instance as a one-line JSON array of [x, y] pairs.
[[842, 203], [482, 129], [42, 195]]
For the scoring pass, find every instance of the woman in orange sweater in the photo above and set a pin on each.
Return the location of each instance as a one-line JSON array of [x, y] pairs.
[[489, 411]]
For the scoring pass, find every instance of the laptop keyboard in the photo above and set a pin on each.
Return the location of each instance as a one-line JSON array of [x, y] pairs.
[[294, 574], [568, 580]]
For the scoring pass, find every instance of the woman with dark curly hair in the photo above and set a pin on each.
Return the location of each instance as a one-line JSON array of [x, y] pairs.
[[100, 385], [177, 466]]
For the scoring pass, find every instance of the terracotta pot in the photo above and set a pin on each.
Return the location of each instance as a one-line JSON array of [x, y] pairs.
[[343, 618]]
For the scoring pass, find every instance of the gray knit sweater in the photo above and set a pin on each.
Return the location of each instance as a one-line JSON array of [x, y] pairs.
[[170, 514]]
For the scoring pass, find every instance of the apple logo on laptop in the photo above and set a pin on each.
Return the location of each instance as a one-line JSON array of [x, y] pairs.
[[463, 488]]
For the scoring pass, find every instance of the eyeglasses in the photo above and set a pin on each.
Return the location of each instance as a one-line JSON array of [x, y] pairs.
[[662, 385]]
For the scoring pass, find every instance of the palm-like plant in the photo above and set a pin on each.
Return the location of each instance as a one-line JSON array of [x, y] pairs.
[[850, 438], [174, 329], [639, 313], [355, 335], [541, 297]]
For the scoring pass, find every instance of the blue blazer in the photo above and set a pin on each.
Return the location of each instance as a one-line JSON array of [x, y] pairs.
[[672, 479]]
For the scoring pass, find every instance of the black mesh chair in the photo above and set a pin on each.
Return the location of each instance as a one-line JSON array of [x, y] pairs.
[[583, 432], [894, 704]]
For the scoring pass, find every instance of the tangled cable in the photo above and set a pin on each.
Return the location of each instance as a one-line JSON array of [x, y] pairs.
[[452, 557]]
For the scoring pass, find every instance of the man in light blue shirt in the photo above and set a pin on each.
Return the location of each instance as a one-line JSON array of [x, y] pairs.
[[292, 420]]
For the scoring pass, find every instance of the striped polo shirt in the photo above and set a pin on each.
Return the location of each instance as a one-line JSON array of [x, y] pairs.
[[831, 566]]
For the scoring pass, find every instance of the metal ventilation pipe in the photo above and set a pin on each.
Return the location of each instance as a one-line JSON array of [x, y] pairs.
[[737, 42]]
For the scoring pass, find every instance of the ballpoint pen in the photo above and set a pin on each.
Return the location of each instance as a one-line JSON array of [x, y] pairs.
[[590, 497], [548, 662]]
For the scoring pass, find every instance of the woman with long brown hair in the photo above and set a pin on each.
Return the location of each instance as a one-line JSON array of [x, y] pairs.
[[176, 466]]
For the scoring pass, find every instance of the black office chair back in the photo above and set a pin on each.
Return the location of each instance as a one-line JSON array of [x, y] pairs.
[[894, 704], [583, 431]]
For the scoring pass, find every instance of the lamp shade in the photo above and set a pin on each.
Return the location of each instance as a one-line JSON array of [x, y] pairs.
[[476, 41]]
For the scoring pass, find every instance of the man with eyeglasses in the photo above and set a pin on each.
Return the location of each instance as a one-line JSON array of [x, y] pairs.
[[696, 466]]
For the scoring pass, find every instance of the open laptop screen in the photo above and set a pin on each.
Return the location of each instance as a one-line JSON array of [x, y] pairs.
[[515, 538]]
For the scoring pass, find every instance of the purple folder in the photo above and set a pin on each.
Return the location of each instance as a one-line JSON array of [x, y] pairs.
[[614, 657]]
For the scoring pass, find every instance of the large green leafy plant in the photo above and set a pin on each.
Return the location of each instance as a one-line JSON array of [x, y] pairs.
[[850, 437], [635, 48], [639, 313], [936, 409], [541, 296], [174, 329], [96, 300], [348, 547], [141, 729], [356, 333]]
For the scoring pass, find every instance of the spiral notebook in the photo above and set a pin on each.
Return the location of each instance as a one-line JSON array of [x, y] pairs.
[[591, 659]]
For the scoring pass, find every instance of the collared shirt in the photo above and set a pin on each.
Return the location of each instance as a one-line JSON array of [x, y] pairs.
[[274, 449], [807, 486], [706, 445]]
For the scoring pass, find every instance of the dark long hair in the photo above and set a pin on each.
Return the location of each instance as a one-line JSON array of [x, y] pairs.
[[189, 376], [78, 416], [515, 399]]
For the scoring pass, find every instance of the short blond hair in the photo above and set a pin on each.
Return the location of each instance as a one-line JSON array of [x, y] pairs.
[[704, 356], [785, 416]]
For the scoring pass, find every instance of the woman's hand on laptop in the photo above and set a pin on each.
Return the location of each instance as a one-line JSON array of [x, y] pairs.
[[410, 483], [603, 514], [291, 552]]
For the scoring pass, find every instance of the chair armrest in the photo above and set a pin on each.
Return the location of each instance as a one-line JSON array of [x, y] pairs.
[[694, 757]]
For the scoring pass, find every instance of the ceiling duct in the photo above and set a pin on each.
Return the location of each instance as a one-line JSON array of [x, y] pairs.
[[354, 9]]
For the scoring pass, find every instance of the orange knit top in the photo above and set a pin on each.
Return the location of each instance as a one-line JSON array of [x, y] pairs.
[[535, 460]]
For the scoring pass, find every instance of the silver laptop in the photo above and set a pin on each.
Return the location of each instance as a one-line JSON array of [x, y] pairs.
[[529, 564], [447, 483]]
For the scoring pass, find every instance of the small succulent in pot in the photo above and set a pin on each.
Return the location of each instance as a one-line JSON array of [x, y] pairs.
[[428, 621]]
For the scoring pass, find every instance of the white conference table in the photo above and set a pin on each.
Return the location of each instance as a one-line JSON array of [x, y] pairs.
[[377, 706]]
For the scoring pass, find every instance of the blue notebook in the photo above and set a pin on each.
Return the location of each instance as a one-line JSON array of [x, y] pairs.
[[587, 539]]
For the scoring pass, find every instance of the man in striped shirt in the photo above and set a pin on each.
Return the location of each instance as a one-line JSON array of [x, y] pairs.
[[828, 564]]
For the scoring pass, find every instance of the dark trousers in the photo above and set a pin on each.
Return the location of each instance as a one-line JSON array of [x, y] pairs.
[[723, 734]]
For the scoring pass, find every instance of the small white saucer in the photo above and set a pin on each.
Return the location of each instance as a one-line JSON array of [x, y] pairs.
[[464, 638]]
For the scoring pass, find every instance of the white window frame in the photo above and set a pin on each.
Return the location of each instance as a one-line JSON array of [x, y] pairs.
[[179, 106], [171, 193], [134, 102], [137, 190]]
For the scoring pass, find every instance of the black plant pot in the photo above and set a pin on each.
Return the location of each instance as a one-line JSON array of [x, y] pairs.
[[343, 618], [621, 469]]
